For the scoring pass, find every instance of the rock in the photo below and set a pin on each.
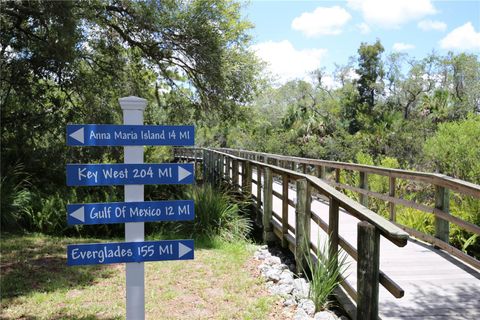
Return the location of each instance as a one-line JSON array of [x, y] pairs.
[[264, 247], [289, 302], [325, 315], [281, 266], [308, 306], [286, 277], [282, 289], [273, 274], [272, 260], [263, 268], [301, 315], [300, 288]]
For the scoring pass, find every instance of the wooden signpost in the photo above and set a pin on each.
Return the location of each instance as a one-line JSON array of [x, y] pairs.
[[134, 212]]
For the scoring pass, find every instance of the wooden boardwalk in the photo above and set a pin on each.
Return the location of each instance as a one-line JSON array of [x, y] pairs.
[[437, 286]]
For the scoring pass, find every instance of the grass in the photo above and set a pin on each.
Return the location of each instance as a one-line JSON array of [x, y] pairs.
[[37, 284]]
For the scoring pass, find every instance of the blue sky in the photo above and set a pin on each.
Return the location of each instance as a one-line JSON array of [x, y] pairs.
[[296, 37]]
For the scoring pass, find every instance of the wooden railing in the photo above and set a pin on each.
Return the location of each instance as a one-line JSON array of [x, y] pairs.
[[440, 185], [243, 172]]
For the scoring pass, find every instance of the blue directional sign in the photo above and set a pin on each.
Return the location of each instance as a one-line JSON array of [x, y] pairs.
[[122, 174], [122, 212], [119, 252], [129, 135]]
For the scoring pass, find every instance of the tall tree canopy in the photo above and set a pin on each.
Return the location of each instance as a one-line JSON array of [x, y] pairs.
[[70, 61]]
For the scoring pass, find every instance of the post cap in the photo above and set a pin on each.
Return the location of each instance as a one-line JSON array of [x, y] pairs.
[[132, 103]]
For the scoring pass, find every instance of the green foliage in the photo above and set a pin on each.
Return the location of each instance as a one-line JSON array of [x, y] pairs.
[[216, 214], [15, 197], [466, 208], [455, 149], [415, 219], [324, 272]]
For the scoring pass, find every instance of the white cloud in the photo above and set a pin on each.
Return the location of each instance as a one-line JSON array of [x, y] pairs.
[[462, 38], [322, 21], [400, 46], [427, 25], [363, 28], [392, 13], [286, 62]]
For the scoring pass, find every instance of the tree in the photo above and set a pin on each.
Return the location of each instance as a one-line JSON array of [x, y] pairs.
[[371, 73], [70, 61]]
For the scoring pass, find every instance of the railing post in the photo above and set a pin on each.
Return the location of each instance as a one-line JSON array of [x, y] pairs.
[[267, 205], [219, 167], [222, 167], [302, 224], [285, 181], [333, 215], [337, 176], [204, 165], [442, 202], [214, 168], [247, 182], [368, 243], [235, 174], [195, 161], [259, 194], [227, 169], [304, 168], [207, 167], [321, 172], [210, 167], [364, 185], [391, 193]]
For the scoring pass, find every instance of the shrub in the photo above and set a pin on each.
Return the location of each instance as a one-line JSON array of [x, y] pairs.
[[415, 219], [217, 213], [455, 149], [15, 197], [324, 275]]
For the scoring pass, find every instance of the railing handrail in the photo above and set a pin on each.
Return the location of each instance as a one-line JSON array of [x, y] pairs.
[[389, 230], [465, 187], [221, 166], [440, 210]]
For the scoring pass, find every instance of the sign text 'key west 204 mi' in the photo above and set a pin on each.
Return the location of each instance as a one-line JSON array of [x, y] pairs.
[[133, 174]]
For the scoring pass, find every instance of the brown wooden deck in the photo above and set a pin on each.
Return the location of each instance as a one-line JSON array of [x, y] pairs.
[[437, 286]]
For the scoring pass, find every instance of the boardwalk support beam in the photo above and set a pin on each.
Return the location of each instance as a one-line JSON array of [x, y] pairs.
[[442, 202], [247, 182], [333, 218], [391, 193], [235, 174], [368, 271], [285, 181], [302, 224], [364, 185], [268, 234]]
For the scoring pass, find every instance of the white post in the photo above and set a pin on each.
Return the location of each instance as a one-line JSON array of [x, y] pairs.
[[133, 108]]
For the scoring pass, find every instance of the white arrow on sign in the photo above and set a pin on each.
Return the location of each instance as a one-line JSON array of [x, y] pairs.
[[79, 135], [182, 173], [79, 214], [183, 249]]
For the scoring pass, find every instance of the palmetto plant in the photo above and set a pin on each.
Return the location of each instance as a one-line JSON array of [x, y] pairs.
[[324, 273], [217, 214]]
